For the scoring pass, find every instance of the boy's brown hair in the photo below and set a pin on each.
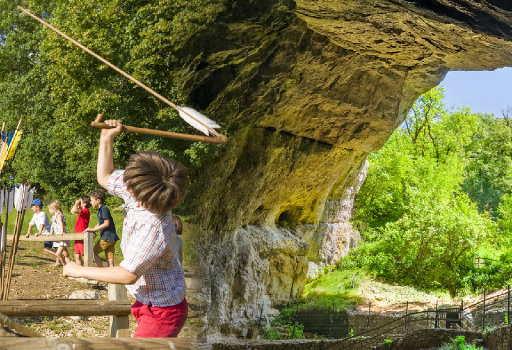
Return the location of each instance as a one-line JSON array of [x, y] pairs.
[[158, 183], [98, 194], [86, 200], [177, 224]]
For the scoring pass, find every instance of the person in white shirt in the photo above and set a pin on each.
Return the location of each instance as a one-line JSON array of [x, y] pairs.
[[40, 221]]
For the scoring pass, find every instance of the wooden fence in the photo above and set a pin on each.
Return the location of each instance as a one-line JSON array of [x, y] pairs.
[[88, 238], [117, 307]]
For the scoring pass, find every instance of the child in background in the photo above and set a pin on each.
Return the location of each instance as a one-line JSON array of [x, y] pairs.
[[151, 186], [108, 236], [81, 208], [40, 221], [179, 230], [59, 228]]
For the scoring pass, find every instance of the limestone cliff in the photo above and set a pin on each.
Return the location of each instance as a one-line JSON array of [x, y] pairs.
[[307, 89]]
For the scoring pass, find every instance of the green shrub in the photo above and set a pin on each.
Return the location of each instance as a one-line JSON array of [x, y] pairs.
[[295, 331], [459, 344], [271, 334]]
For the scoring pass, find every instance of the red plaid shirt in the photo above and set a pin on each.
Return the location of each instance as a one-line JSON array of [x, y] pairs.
[[150, 246]]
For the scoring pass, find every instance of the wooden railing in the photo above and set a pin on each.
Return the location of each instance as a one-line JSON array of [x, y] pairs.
[[88, 238], [101, 343], [117, 307]]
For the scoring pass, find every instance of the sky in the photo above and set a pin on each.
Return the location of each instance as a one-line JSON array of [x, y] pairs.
[[483, 91]]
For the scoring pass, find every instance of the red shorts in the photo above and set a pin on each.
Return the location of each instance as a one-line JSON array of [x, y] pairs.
[[159, 322], [79, 247]]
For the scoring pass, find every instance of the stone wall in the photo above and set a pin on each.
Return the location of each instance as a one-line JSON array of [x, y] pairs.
[[421, 339], [495, 313], [351, 344], [493, 319], [430, 338], [499, 339], [338, 325]]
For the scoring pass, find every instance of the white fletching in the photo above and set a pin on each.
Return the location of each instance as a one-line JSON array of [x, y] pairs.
[[2, 201], [203, 119], [18, 197], [3, 240], [10, 201], [28, 201]]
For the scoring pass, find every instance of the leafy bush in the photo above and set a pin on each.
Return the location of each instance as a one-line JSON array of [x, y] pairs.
[[113, 202], [271, 334], [295, 331], [458, 344], [433, 245], [291, 330]]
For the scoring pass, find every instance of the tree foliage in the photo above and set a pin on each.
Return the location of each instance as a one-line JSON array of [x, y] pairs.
[[58, 89], [418, 210]]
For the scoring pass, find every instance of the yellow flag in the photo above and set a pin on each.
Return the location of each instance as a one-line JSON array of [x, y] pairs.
[[14, 144], [3, 154]]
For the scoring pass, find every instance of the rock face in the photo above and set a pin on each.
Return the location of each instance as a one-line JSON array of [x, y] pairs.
[[306, 90]]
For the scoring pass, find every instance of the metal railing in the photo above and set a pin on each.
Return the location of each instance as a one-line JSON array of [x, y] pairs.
[[462, 315]]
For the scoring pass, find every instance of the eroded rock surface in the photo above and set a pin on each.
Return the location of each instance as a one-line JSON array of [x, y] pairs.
[[307, 89]]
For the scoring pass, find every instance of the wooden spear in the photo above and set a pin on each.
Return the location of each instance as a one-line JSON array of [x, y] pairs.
[[20, 215], [173, 135], [4, 253], [182, 111]]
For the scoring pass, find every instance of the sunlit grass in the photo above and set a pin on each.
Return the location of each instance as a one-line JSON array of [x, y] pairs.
[[336, 289]]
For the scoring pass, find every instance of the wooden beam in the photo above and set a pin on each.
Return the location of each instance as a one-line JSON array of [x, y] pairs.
[[6, 321], [56, 238], [102, 343], [119, 325], [64, 307]]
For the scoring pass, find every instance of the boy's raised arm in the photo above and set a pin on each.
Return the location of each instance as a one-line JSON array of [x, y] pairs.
[[75, 209], [106, 152]]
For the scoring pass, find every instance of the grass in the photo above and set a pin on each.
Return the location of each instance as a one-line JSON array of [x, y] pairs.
[[337, 289], [340, 288]]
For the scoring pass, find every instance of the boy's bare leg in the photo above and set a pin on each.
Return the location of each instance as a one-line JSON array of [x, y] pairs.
[[78, 259], [110, 262], [97, 260]]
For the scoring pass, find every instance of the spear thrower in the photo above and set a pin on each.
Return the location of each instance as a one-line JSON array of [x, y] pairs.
[[190, 115]]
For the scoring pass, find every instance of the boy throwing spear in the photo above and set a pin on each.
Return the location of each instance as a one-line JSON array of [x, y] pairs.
[[151, 186]]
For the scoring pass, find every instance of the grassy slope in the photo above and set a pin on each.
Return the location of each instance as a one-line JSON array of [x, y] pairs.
[[342, 288]]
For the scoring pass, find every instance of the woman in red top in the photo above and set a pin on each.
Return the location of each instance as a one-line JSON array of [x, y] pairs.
[[81, 208]]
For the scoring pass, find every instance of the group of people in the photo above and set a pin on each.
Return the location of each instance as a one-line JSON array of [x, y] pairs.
[[106, 226], [151, 269]]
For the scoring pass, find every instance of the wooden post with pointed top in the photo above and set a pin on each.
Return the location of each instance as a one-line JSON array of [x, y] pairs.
[[119, 325]]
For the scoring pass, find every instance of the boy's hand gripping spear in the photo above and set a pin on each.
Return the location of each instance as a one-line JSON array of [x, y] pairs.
[[191, 116]]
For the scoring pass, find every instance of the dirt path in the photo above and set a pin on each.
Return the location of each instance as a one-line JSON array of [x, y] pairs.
[[34, 278]]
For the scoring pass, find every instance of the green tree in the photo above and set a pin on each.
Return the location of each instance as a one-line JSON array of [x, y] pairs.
[[420, 227], [426, 154], [489, 163], [59, 89]]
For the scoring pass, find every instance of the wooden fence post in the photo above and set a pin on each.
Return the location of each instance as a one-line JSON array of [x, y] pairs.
[[118, 324], [88, 247]]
